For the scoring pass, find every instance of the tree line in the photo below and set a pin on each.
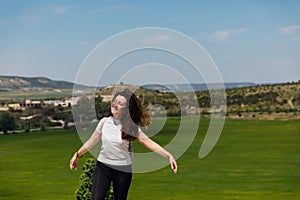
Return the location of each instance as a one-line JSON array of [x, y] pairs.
[[269, 98]]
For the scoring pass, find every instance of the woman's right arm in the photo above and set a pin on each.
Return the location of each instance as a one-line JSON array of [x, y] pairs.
[[92, 141]]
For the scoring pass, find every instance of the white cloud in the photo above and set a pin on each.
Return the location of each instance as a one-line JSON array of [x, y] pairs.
[[113, 9], [289, 30], [225, 34], [62, 9], [157, 39], [292, 32]]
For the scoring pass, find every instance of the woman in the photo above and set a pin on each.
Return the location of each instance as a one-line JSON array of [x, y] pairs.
[[117, 133]]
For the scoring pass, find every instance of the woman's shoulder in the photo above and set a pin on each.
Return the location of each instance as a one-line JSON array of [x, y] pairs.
[[105, 118], [101, 123]]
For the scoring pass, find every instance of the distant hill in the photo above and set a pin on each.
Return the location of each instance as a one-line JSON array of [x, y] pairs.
[[195, 86], [16, 87], [16, 82]]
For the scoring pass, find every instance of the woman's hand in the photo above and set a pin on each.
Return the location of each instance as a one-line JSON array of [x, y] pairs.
[[74, 162], [173, 164]]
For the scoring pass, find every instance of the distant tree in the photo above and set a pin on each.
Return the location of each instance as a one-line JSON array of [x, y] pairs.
[[85, 108], [42, 125], [66, 124], [204, 101], [27, 126], [60, 108], [7, 122], [48, 111], [102, 108]]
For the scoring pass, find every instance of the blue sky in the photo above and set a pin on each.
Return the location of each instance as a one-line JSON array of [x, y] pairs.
[[256, 41]]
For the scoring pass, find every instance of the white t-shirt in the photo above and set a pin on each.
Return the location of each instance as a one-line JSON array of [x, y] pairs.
[[114, 149]]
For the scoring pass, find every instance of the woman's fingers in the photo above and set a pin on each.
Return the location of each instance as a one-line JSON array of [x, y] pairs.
[[74, 163], [173, 164], [174, 167]]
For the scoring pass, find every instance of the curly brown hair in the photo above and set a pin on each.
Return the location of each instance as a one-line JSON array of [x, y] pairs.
[[133, 116]]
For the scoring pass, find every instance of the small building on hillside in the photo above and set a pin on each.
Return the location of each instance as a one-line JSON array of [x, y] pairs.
[[15, 106], [32, 104]]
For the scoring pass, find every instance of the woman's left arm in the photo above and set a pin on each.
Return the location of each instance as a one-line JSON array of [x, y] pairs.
[[153, 146]]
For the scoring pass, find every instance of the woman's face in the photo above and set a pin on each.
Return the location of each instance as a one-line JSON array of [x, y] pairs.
[[118, 106]]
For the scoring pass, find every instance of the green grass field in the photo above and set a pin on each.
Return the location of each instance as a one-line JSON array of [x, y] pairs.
[[252, 160]]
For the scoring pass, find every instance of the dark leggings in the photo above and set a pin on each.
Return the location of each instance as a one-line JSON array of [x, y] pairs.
[[104, 175]]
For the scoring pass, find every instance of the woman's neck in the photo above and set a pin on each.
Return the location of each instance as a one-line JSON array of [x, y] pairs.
[[116, 117]]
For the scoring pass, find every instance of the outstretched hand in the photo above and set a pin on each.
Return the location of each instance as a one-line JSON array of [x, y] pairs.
[[173, 164]]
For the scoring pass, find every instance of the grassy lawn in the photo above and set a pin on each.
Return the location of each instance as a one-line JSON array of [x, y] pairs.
[[35, 165], [252, 160]]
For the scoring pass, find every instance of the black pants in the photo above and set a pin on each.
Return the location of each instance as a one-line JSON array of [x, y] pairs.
[[105, 175]]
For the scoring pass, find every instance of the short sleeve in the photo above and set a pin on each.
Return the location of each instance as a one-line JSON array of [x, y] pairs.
[[100, 125]]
